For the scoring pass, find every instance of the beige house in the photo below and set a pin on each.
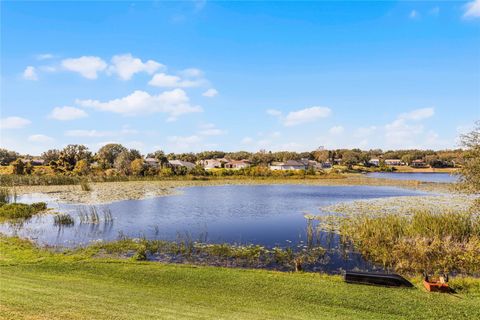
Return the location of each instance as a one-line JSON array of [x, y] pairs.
[[237, 164], [393, 162], [180, 163]]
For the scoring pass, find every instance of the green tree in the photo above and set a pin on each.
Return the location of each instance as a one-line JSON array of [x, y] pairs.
[[18, 167], [161, 157], [107, 154], [7, 156], [51, 155], [70, 155], [470, 171], [137, 167], [82, 168]]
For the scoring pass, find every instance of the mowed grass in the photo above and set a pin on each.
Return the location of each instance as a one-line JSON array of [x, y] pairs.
[[37, 284]]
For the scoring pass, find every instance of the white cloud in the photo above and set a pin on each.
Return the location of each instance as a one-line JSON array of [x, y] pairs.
[[67, 113], [210, 93], [125, 66], [169, 81], [472, 9], [45, 56], [418, 114], [14, 123], [87, 66], [336, 130], [274, 112], [174, 103], [414, 14], [184, 143], [30, 73], [306, 115], [209, 129], [40, 138], [191, 73]]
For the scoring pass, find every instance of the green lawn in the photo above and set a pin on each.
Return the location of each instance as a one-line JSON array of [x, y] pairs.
[[36, 284]]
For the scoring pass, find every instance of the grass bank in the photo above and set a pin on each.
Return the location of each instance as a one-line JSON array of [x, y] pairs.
[[38, 284]]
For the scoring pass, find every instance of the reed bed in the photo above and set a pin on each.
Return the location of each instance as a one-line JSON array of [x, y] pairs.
[[63, 219], [21, 210], [94, 214], [412, 239]]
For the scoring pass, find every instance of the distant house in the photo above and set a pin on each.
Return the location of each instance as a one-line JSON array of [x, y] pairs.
[[326, 165], [311, 164], [337, 161], [180, 163], [418, 164], [152, 162], [209, 164], [288, 165], [374, 162], [37, 162], [237, 164], [393, 162]]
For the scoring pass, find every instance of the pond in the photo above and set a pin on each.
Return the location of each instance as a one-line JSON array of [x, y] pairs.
[[269, 215], [425, 177]]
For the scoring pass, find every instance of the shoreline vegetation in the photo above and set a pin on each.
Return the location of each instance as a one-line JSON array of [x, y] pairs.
[[143, 290]]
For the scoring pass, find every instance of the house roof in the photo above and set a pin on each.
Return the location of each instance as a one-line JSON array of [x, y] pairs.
[[181, 163]]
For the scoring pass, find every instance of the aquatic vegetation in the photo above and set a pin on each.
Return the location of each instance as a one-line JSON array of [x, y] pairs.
[[21, 210], [63, 220], [91, 214], [228, 255], [4, 195], [413, 236]]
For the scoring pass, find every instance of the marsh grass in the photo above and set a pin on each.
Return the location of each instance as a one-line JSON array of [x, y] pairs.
[[4, 196], [21, 210], [63, 220], [92, 214], [420, 241]]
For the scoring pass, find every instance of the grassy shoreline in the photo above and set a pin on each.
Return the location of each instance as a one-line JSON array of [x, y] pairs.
[[39, 284]]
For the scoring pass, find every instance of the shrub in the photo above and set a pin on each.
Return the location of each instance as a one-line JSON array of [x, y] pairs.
[[21, 210]]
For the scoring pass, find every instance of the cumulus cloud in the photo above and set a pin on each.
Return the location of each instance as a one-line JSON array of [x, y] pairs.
[[336, 130], [191, 73], [405, 131], [210, 93], [174, 103], [125, 66], [170, 81], [67, 113], [472, 10], [40, 138], [14, 123], [30, 73], [306, 115], [87, 66]]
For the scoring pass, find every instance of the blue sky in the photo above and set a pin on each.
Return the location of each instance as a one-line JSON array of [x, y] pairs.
[[198, 75]]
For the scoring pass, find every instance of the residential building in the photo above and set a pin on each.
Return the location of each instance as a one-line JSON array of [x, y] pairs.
[[180, 163], [287, 165], [393, 162], [209, 164], [152, 162], [237, 164], [374, 162], [418, 164]]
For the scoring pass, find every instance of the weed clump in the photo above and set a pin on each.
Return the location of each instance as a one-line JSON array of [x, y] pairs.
[[63, 220], [21, 210]]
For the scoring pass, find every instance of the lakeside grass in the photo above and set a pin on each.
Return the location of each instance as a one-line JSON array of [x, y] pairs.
[[39, 284]]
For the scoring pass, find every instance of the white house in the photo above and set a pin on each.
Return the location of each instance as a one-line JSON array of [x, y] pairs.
[[288, 165], [180, 163], [393, 162], [237, 164], [374, 162], [209, 164]]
